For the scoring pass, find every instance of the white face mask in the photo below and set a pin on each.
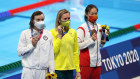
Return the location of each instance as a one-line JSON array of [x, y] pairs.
[[40, 24]]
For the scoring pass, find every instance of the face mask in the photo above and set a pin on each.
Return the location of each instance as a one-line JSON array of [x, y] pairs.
[[92, 18], [40, 24], [65, 23]]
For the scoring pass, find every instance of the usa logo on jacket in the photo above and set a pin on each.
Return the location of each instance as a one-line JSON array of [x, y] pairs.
[[45, 37]]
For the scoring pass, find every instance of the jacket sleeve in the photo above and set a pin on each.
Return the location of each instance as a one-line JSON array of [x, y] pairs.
[[23, 47], [56, 42], [51, 57], [76, 53], [81, 41]]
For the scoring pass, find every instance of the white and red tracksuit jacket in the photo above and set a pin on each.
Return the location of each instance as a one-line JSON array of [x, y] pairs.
[[89, 49]]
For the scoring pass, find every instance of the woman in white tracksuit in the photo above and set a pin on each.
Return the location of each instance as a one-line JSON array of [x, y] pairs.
[[36, 49]]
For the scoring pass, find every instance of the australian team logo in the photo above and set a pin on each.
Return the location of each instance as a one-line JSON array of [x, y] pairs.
[[71, 34]]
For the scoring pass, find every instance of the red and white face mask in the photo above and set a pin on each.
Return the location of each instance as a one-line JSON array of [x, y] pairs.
[[92, 18]]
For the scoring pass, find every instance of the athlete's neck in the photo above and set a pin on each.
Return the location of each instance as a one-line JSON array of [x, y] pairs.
[[66, 29]]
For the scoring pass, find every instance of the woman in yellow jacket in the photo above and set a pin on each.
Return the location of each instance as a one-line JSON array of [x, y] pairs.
[[66, 50]]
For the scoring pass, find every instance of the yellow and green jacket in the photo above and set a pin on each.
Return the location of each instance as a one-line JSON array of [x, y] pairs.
[[66, 50]]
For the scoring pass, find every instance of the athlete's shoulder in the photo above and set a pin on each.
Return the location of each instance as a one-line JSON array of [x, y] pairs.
[[47, 32], [84, 25], [53, 30], [71, 29], [26, 31]]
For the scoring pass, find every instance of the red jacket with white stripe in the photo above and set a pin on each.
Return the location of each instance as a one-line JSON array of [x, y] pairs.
[[89, 49]]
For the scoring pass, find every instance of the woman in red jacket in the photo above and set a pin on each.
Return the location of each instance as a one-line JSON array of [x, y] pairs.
[[89, 40]]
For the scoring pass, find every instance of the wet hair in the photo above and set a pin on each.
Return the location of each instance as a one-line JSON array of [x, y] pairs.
[[88, 8], [36, 13], [59, 15]]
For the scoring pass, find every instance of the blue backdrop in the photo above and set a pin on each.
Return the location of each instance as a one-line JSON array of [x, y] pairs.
[[121, 61]]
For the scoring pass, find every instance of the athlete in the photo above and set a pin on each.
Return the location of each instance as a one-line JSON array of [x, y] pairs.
[[36, 49], [89, 39]]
